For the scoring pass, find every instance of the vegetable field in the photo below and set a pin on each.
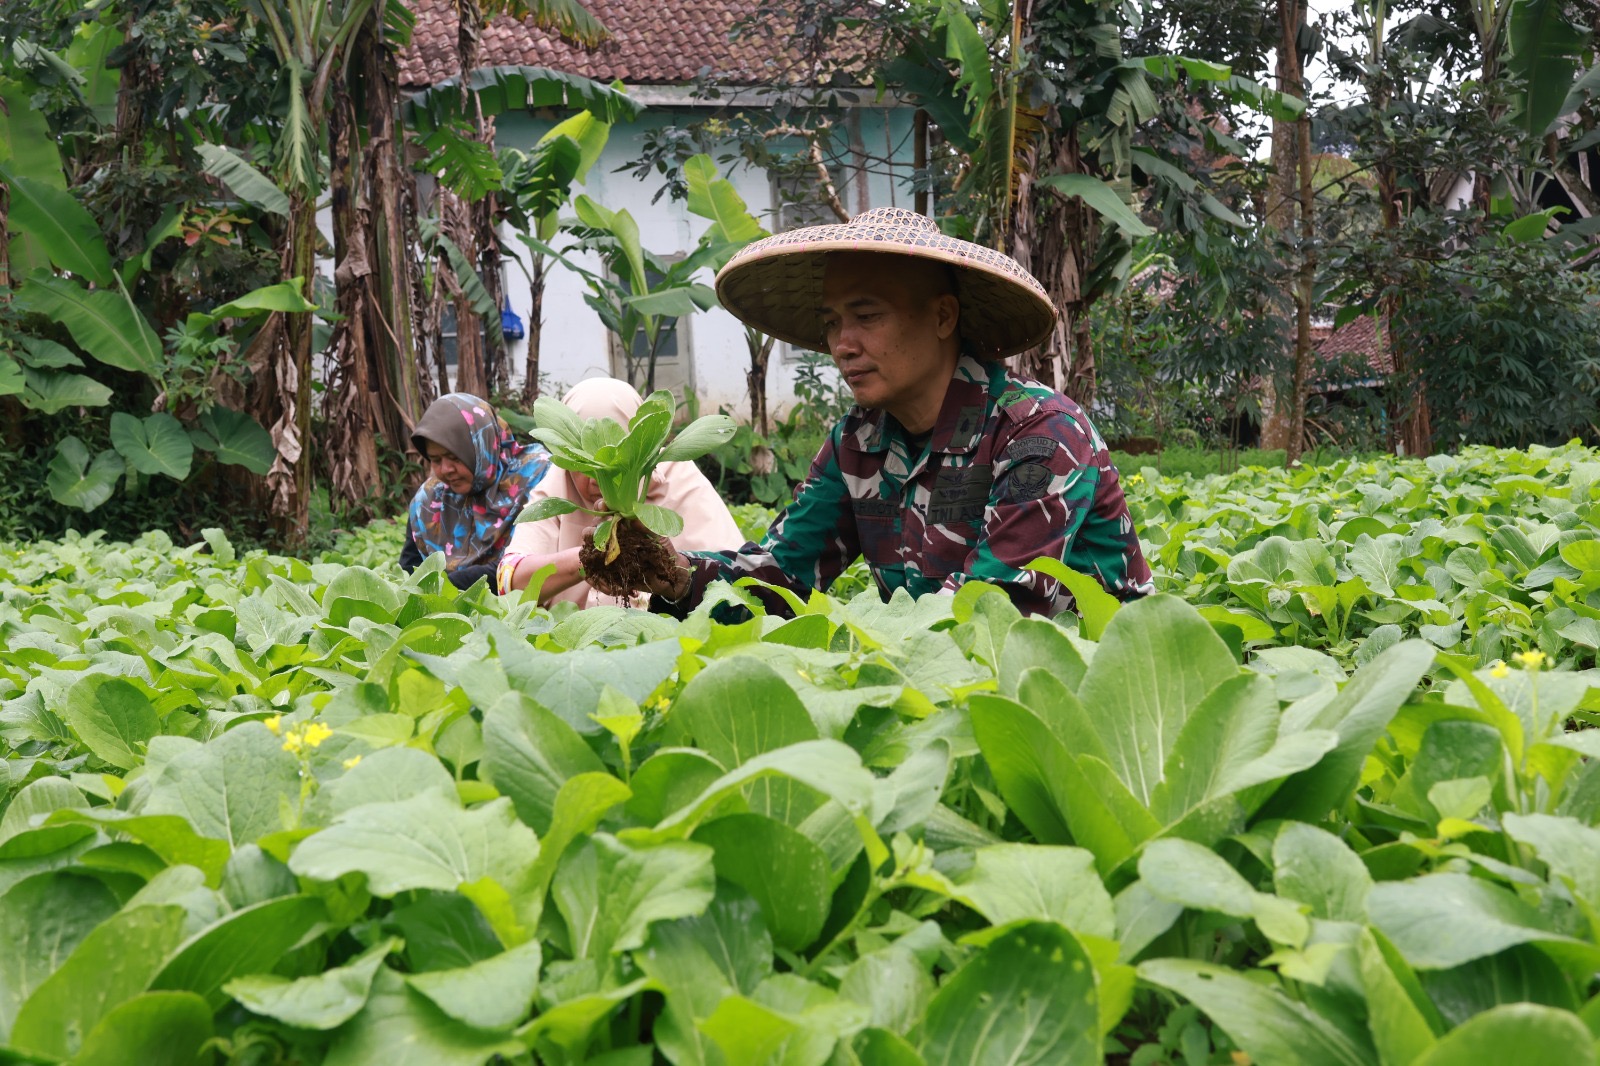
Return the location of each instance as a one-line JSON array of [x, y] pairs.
[[1329, 799]]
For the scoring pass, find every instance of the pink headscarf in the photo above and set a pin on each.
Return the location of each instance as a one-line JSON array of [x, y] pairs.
[[707, 525]]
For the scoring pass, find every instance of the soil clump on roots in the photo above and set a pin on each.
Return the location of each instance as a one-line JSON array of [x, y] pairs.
[[640, 554]]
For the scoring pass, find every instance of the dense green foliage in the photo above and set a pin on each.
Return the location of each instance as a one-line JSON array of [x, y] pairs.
[[265, 810]]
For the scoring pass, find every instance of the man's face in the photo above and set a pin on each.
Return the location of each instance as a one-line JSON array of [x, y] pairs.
[[887, 324], [443, 464]]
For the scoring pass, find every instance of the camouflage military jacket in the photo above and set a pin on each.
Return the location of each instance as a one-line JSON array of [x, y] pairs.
[[1011, 472]]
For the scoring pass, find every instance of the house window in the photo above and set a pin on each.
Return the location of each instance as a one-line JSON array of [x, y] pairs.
[[797, 198], [674, 348]]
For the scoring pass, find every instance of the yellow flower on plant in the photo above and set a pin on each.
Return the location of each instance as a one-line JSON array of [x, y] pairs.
[[1531, 660], [275, 723], [352, 762], [1499, 669], [1134, 479], [291, 742], [1337, 511], [316, 733]]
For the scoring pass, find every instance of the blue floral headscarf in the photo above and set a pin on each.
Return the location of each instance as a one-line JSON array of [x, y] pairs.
[[473, 529]]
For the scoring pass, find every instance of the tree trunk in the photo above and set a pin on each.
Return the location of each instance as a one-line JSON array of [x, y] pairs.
[[530, 383], [1051, 240], [1277, 429], [1304, 291], [760, 346], [281, 379], [352, 452]]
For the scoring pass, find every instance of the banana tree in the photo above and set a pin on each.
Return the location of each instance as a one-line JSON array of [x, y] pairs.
[[537, 184], [732, 227]]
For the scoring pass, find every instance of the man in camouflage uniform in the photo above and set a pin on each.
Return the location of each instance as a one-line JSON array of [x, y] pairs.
[[950, 469]]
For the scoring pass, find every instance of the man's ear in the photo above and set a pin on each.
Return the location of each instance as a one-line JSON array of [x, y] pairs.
[[946, 315]]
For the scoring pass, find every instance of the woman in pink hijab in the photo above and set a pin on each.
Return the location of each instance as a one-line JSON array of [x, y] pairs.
[[707, 525]]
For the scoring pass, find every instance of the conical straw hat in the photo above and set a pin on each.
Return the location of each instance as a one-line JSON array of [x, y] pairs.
[[775, 284]]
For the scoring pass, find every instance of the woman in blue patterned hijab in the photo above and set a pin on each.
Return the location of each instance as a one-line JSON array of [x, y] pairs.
[[479, 479]]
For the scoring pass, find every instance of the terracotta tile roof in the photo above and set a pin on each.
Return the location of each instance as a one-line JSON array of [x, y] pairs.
[[653, 42], [1356, 347]]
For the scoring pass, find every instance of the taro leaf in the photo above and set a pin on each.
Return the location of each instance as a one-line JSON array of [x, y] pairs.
[[529, 753], [495, 993], [1263, 1022], [112, 964], [236, 439], [1446, 919], [165, 1027], [401, 1027], [247, 941], [1314, 867], [233, 788], [1015, 882], [609, 891], [785, 872], [105, 323], [156, 444], [1514, 1032], [114, 719], [12, 380], [427, 841], [50, 392], [1358, 714], [64, 227], [74, 482], [1029, 996], [45, 917]]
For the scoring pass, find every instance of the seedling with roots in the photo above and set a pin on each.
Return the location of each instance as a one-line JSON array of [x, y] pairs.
[[621, 462]]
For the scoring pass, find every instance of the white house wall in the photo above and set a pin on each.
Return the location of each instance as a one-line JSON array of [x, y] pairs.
[[575, 345]]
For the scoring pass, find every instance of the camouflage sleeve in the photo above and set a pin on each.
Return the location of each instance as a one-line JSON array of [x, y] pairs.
[[807, 546], [1045, 480]]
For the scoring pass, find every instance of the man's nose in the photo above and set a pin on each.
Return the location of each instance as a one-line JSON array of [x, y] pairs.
[[845, 341]]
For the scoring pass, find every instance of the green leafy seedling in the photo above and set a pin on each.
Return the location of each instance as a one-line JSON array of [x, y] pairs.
[[621, 461]]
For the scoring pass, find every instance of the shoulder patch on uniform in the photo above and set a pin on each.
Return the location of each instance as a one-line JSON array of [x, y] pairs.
[[1028, 481], [1024, 448]]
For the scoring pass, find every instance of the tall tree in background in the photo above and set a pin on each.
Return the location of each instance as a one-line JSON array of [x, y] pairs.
[[1290, 219]]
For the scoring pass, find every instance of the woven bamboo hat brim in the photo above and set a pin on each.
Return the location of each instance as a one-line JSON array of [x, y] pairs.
[[775, 284]]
